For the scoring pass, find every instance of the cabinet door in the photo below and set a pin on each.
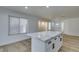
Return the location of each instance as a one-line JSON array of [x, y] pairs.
[[54, 44], [57, 41], [61, 40], [51, 46]]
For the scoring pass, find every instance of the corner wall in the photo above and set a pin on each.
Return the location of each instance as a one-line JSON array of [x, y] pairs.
[[4, 37], [71, 26]]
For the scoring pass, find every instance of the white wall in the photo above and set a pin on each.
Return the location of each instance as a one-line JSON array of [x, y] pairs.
[[71, 26], [4, 38]]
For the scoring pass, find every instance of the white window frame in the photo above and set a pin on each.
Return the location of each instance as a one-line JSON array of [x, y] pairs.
[[9, 33]]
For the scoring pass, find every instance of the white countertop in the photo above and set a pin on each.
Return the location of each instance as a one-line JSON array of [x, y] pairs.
[[44, 35]]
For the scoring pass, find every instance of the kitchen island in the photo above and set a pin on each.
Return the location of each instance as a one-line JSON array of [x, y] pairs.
[[47, 41]]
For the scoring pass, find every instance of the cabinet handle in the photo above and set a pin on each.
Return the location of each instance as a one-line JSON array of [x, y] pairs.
[[49, 42], [55, 38], [53, 46], [60, 39]]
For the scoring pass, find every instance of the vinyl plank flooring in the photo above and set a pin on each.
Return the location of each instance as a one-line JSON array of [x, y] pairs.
[[70, 44], [22, 46]]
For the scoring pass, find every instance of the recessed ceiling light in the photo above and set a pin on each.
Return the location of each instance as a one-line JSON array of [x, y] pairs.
[[26, 7], [47, 6], [57, 24]]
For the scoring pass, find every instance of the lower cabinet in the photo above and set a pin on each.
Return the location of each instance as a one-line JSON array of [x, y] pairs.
[[54, 44], [50, 47]]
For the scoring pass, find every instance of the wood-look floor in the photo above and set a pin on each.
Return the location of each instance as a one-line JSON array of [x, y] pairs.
[[21, 46], [70, 44]]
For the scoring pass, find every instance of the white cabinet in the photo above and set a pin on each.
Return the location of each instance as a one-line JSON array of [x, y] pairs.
[[50, 45], [46, 41], [54, 44], [37, 45], [58, 43]]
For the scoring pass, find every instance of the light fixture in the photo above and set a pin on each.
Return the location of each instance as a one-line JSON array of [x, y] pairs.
[[26, 7], [47, 6], [57, 24]]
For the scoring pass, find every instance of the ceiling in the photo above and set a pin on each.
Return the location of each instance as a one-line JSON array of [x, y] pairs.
[[52, 11]]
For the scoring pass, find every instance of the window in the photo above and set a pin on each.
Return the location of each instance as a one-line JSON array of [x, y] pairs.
[[14, 25], [49, 26], [18, 25], [23, 25]]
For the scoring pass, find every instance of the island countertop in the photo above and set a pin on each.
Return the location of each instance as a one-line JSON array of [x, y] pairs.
[[44, 36]]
